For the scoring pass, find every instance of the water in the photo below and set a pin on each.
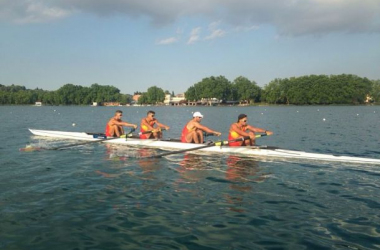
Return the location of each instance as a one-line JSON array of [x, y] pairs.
[[98, 197]]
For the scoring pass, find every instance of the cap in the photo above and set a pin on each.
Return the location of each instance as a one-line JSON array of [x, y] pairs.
[[197, 114], [241, 116]]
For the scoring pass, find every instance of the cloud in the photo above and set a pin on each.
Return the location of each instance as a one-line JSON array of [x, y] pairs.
[[167, 41], [246, 28], [215, 34], [194, 35], [215, 31], [288, 17], [30, 11]]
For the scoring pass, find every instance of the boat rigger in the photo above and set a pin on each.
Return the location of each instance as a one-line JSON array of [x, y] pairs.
[[254, 151]]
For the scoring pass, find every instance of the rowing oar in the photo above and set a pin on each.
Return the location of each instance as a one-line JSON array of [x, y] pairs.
[[29, 149], [218, 143]]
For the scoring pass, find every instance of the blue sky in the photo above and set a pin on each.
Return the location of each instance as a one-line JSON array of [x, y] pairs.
[[174, 44]]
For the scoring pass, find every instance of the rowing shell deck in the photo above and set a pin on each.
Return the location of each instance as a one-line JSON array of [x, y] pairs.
[[243, 151]]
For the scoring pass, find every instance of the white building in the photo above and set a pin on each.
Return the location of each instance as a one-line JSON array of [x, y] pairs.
[[174, 100], [210, 101]]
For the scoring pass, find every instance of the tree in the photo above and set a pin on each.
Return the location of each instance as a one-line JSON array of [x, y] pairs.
[[191, 94], [211, 87], [155, 95], [246, 90], [143, 99], [375, 91], [272, 92]]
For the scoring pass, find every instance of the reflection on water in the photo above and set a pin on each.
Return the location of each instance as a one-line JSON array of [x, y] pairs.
[[240, 172], [125, 158], [243, 169], [192, 168]]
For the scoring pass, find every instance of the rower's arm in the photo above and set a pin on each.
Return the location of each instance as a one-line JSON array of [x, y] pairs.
[[130, 125], [259, 130], [206, 129], [121, 123], [162, 125]]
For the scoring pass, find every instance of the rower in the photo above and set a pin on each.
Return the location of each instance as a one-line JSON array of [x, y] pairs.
[[150, 127], [115, 125], [241, 129], [193, 130]]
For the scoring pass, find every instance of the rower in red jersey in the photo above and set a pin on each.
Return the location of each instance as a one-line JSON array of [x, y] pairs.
[[193, 130], [150, 127], [241, 129], [115, 125]]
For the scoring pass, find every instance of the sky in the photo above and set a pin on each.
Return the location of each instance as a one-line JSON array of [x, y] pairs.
[[174, 44]]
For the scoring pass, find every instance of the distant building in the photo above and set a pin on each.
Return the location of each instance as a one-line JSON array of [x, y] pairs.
[[368, 99], [210, 101], [176, 100], [95, 104], [38, 104], [135, 98], [111, 104]]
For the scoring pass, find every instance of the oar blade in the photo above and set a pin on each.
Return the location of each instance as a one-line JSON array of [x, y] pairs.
[[30, 149]]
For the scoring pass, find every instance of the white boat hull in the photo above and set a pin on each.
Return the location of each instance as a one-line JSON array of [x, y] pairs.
[[242, 151]]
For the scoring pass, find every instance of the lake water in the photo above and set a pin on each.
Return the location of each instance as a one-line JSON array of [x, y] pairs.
[[99, 197]]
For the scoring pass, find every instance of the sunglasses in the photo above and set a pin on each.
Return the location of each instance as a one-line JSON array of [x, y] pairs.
[[244, 120]]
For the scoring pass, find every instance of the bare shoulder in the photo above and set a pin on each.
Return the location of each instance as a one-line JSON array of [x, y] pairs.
[[190, 124]]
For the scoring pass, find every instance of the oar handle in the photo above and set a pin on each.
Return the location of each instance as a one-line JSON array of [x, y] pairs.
[[261, 135], [208, 134], [150, 131], [222, 143], [225, 143]]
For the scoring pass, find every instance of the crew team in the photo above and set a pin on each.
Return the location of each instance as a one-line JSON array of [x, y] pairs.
[[240, 133]]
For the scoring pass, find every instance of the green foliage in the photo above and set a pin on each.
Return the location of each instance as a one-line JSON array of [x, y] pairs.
[[191, 94], [375, 91], [143, 98], [246, 90], [211, 87], [155, 95], [318, 89], [69, 94]]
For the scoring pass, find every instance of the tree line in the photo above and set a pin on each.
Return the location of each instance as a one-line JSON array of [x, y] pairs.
[[304, 90], [69, 94], [321, 89]]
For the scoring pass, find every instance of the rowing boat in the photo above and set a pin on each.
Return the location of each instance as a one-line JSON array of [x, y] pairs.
[[254, 151]]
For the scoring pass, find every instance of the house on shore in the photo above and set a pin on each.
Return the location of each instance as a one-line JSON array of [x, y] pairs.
[[107, 104], [176, 100]]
